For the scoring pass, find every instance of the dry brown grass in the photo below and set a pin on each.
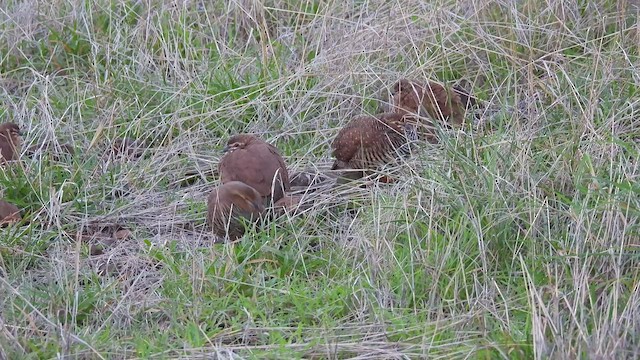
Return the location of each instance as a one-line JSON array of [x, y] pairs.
[[515, 237]]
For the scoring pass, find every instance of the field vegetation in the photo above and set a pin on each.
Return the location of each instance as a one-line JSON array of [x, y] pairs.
[[515, 237]]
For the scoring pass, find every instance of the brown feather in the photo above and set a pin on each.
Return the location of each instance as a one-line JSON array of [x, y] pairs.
[[9, 213], [291, 204], [307, 178], [10, 143], [428, 99], [229, 204], [257, 164], [368, 142]]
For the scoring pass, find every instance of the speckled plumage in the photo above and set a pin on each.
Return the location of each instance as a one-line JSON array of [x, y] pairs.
[[368, 142], [230, 203], [10, 142], [256, 163]]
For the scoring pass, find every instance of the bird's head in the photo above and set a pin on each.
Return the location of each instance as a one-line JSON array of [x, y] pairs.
[[245, 196], [406, 96], [238, 142], [10, 131], [400, 85]]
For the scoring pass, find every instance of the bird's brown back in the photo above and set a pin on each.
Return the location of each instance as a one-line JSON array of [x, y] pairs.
[[8, 213], [9, 142], [228, 204], [257, 164], [409, 96], [292, 204], [367, 142]]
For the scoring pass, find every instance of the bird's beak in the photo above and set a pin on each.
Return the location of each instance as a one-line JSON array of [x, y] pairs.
[[225, 149]]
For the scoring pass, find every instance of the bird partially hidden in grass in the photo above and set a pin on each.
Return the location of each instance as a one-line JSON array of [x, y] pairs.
[[101, 236], [10, 142], [307, 178], [368, 142], [57, 151], [231, 206], [127, 148], [430, 100], [292, 205], [9, 213], [256, 163]]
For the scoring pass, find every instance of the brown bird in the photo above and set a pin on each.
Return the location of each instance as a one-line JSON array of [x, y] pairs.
[[291, 204], [10, 142], [231, 203], [429, 100], [368, 142], [9, 213], [468, 100], [127, 148], [57, 151], [256, 163], [305, 178]]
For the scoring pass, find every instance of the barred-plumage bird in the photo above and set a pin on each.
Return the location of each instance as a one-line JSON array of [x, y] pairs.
[[10, 142], [430, 100], [368, 142], [229, 205], [256, 163]]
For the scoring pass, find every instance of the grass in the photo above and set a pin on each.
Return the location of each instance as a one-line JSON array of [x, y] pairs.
[[517, 237]]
